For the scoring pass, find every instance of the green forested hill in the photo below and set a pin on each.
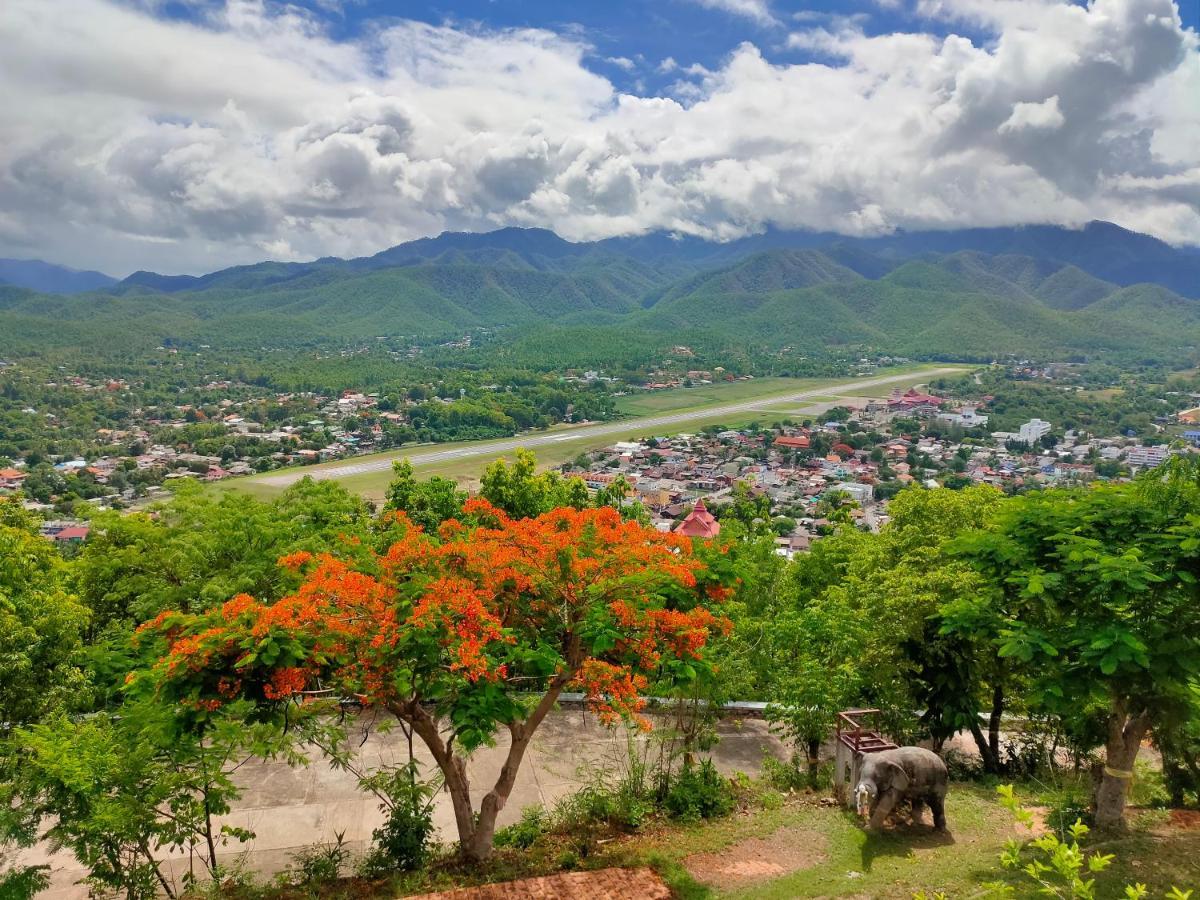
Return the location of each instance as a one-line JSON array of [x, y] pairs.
[[966, 304]]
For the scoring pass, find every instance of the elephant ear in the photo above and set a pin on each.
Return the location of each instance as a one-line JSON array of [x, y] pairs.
[[899, 776]]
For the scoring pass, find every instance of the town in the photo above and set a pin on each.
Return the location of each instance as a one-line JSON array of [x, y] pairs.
[[799, 475]]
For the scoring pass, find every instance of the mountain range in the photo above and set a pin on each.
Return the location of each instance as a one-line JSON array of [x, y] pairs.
[[49, 278], [972, 293]]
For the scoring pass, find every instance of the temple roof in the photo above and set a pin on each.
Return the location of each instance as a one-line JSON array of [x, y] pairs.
[[699, 523]]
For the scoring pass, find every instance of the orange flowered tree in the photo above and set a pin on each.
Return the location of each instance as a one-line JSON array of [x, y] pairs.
[[479, 629]]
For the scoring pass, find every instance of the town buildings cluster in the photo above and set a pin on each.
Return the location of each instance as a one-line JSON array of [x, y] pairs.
[[805, 472]]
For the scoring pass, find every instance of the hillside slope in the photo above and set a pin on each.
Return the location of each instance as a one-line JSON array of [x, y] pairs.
[[962, 304]]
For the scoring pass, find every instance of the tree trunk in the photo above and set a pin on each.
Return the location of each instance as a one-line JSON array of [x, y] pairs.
[[814, 758], [454, 770], [480, 847], [989, 745], [994, 723], [475, 834], [485, 826], [1125, 735], [991, 763]]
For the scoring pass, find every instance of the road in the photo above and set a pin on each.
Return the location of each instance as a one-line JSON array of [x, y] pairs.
[[602, 429]]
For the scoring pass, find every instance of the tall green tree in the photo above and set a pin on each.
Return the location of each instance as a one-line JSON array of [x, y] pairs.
[[523, 492], [1100, 603], [41, 623]]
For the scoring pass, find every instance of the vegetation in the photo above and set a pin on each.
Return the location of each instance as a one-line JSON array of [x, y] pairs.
[[143, 671]]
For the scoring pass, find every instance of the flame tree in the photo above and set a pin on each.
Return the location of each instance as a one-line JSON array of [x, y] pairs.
[[465, 634]]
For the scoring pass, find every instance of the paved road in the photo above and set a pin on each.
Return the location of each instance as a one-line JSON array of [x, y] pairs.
[[604, 429]]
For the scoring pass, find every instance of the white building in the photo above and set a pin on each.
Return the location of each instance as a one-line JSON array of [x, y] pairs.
[[1147, 457], [862, 494], [967, 417], [1033, 431]]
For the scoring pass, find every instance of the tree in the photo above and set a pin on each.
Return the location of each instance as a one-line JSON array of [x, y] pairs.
[[41, 624], [858, 623], [427, 503], [201, 549], [458, 636], [1099, 602], [117, 790], [522, 492]]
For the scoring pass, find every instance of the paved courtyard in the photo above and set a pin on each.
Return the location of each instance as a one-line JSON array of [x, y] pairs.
[[292, 808]]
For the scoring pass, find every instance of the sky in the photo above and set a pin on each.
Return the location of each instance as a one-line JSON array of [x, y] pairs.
[[189, 135]]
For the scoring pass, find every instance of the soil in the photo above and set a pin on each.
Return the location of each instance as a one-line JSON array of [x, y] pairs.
[[602, 884], [759, 859], [1185, 818], [1039, 826]]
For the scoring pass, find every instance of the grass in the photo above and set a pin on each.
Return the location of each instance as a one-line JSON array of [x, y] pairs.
[[648, 403], [854, 864], [768, 391]]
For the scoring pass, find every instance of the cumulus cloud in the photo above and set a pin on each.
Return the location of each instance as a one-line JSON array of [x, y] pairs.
[[255, 134]]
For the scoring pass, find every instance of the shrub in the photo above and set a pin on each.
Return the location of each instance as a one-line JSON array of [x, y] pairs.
[[320, 863], [793, 774], [1059, 867], [699, 792], [403, 841], [961, 766], [24, 883], [523, 834], [620, 807]]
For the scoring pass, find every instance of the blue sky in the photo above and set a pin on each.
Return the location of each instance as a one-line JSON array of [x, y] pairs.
[[646, 32], [185, 135]]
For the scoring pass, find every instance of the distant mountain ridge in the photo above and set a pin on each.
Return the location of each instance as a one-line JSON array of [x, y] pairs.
[[967, 294], [1100, 249], [51, 279]]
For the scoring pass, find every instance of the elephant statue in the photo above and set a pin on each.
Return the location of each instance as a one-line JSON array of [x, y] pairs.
[[905, 773]]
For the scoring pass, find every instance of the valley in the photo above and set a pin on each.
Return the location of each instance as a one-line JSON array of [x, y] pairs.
[[369, 475]]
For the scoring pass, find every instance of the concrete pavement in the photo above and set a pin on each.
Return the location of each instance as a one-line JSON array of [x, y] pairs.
[[289, 809]]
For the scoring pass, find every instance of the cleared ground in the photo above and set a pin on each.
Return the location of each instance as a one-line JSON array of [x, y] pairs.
[[722, 404]]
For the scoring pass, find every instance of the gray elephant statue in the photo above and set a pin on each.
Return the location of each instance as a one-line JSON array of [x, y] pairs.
[[906, 773]]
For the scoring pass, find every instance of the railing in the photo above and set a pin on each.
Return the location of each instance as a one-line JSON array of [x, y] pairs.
[[853, 733]]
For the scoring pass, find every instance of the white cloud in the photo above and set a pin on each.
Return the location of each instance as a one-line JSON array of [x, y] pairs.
[[758, 11], [257, 134], [1045, 114]]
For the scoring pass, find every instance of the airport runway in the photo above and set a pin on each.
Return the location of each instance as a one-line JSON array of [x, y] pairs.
[[599, 430]]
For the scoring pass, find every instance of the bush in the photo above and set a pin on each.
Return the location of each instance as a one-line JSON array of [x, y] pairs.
[[699, 792], [403, 841], [24, 883], [320, 863], [619, 807], [523, 834], [961, 766], [793, 774], [1149, 788]]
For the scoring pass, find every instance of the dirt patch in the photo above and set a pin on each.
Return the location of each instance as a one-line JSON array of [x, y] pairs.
[[602, 884], [1185, 818], [758, 859], [1039, 826]]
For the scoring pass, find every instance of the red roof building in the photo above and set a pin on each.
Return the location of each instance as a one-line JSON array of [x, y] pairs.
[[72, 534], [792, 441], [699, 523], [912, 397]]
